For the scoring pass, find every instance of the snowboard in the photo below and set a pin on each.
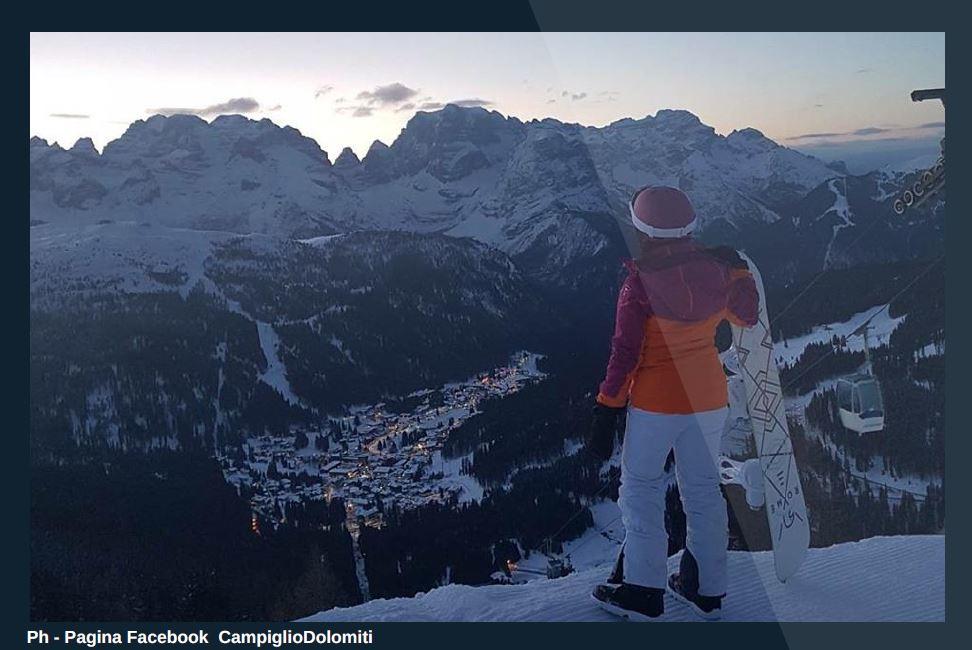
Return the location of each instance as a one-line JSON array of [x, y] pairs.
[[786, 509]]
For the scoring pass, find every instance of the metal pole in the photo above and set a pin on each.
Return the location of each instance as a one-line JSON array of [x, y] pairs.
[[867, 352]]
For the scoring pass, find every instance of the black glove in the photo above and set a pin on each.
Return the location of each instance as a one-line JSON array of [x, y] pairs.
[[728, 256], [604, 428]]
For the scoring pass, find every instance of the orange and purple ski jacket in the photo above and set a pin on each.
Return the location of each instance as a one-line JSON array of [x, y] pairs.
[[663, 354]]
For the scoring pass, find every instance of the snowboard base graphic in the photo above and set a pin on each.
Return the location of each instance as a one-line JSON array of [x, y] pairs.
[[785, 506]]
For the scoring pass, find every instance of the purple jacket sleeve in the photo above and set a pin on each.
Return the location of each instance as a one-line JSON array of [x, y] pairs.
[[743, 300], [629, 330]]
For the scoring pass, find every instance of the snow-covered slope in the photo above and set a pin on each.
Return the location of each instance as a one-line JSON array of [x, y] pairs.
[[878, 579], [881, 322]]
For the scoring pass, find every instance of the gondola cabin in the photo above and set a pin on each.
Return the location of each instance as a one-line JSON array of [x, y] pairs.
[[860, 403]]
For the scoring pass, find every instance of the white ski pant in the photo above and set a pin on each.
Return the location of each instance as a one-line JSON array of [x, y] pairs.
[[696, 440]]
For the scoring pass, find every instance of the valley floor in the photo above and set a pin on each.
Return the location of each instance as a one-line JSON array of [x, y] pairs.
[[878, 579]]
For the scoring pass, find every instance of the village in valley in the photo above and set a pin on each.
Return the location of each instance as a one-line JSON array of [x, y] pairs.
[[377, 456]]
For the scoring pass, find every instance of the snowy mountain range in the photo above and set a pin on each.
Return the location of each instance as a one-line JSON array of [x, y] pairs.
[[465, 171], [547, 193], [461, 169]]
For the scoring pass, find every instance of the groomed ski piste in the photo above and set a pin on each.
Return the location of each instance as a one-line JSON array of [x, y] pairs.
[[881, 579]]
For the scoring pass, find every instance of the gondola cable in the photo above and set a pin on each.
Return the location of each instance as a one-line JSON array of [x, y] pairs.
[[833, 350]]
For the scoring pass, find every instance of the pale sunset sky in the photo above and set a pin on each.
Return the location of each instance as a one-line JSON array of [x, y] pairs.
[[830, 94]]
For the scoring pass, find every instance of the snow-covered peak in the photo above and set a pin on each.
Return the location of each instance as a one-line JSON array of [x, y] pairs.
[[454, 122], [750, 139], [379, 163], [676, 118], [376, 147], [161, 135], [454, 142], [747, 133], [233, 174], [346, 159], [84, 147]]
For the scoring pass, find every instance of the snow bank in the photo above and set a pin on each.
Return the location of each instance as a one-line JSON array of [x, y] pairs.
[[878, 579], [882, 325]]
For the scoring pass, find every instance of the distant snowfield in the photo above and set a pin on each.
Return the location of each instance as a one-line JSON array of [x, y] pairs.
[[881, 328], [881, 579], [925, 161]]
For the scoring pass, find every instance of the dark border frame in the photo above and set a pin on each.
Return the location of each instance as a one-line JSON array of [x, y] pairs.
[[537, 15]]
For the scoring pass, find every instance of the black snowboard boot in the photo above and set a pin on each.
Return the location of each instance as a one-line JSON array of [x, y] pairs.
[[684, 586], [630, 601], [617, 575]]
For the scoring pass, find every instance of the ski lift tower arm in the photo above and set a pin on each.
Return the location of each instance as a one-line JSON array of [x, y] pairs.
[[933, 180], [928, 93], [862, 330]]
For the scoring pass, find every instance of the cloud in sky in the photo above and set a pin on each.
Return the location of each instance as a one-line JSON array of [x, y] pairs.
[[356, 110], [236, 105], [70, 116], [894, 132], [862, 71], [394, 96], [578, 96], [472, 102], [323, 90], [817, 136], [432, 105], [869, 130], [390, 94]]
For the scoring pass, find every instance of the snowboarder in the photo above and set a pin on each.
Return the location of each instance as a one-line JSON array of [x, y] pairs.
[[665, 370]]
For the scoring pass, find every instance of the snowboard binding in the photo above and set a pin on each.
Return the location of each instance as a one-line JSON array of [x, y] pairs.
[[746, 474]]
